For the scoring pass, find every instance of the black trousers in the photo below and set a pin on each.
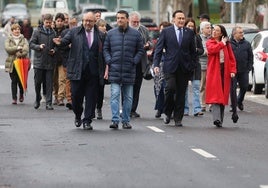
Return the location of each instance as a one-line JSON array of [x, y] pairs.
[[137, 87], [176, 84], [15, 82], [41, 76], [241, 78], [100, 96], [85, 88]]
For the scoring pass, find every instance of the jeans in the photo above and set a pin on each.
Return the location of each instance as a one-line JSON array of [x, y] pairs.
[[196, 98], [127, 93]]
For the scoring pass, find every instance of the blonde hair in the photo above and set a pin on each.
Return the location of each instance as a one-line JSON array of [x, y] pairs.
[[15, 26], [101, 22]]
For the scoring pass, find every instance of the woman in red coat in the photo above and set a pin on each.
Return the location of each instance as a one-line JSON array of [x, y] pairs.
[[221, 68]]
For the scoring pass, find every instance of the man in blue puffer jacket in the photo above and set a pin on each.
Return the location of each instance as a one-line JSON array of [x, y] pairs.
[[122, 50]]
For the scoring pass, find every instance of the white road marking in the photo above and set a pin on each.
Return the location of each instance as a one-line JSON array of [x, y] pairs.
[[155, 129], [263, 186], [2, 66], [203, 153]]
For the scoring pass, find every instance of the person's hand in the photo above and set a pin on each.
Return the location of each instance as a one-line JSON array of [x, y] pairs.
[[232, 75], [224, 40], [57, 40], [51, 52], [106, 72], [156, 70], [42, 46]]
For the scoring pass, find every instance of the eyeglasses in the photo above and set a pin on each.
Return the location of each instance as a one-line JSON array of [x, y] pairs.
[[89, 21], [135, 22]]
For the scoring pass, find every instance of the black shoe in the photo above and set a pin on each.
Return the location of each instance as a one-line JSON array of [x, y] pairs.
[[217, 123], [158, 114], [49, 107], [126, 126], [36, 104], [235, 118], [203, 109], [240, 106], [178, 124], [166, 119], [114, 125], [69, 105], [99, 114], [199, 114], [77, 122], [134, 114], [87, 126]]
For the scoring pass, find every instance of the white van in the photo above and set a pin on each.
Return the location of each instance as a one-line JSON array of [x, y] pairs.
[[54, 6]]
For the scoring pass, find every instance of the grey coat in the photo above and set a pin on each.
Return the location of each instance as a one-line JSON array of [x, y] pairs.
[[146, 38], [42, 58]]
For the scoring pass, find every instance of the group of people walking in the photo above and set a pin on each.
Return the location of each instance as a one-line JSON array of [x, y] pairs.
[[76, 63]]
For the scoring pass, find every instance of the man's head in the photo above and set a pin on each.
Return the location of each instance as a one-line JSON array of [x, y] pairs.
[[97, 14], [122, 19], [178, 18], [72, 22], [203, 17], [89, 20], [134, 19], [66, 19], [205, 28], [47, 20], [238, 33]]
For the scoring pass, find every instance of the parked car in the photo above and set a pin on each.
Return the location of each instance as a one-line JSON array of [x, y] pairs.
[[54, 6], [17, 10], [109, 17], [229, 26], [259, 46], [266, 79], [84, 8], [249, 34]]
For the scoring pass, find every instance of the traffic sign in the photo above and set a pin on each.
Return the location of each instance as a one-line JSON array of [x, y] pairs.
[[233, 1]]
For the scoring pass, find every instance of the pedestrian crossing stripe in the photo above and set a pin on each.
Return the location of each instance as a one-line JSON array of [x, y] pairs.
[[155, 129]]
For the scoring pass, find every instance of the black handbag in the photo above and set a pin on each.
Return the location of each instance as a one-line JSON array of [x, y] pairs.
[[147, 75]]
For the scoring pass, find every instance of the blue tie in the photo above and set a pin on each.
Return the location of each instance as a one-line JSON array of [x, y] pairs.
[[180, 36]]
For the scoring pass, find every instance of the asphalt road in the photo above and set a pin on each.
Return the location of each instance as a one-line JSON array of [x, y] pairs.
[[40, 148]]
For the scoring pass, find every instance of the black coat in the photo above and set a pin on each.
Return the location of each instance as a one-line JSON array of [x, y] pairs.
[[122, 51], [76, 37], [243, 55]]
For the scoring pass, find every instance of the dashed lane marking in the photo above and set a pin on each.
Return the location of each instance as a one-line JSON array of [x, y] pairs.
[[263, 186], [155, 129], [204, 153]]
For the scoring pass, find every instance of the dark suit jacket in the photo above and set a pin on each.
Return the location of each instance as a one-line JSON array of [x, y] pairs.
[[175, 55]]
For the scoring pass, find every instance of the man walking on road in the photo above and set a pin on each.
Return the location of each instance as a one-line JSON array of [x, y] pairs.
[[83, 67], [123, 49], [244, 61], [44, 60], [134, 22], [178, 65]]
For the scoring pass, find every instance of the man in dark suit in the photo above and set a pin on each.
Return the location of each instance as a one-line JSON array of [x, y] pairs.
[[178, 65], [83, 67]]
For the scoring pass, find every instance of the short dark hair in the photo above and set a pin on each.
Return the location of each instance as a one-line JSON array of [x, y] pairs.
[[96, 11], [48, 17], [123, 12], [59, 15], [177, 11]]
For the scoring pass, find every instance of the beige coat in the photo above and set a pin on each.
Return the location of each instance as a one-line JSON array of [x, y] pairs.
[[13, 52]]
